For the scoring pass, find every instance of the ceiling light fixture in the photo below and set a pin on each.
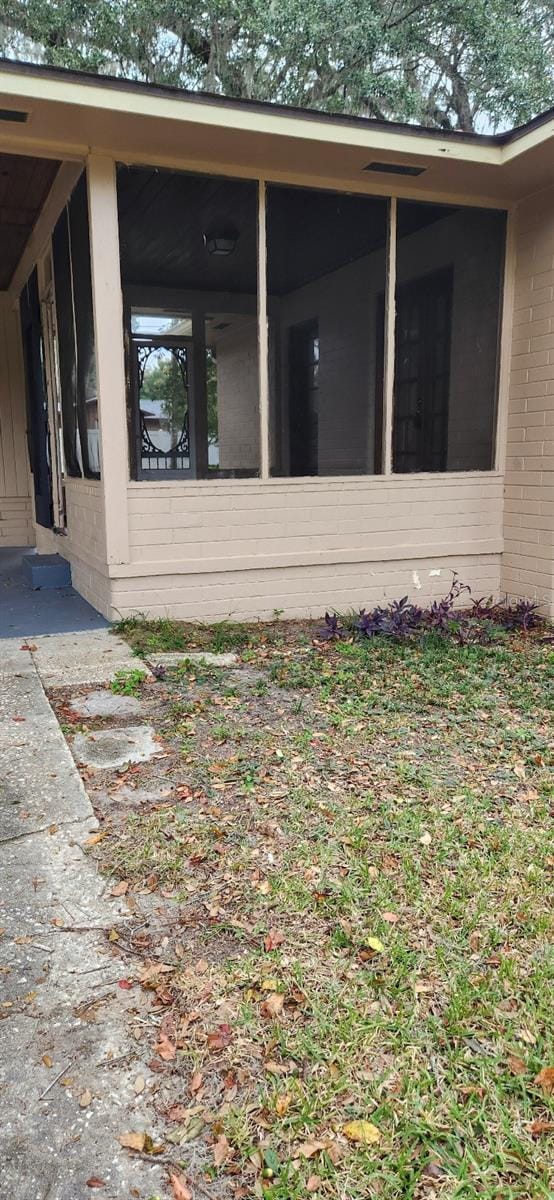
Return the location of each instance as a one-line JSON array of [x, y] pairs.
[[221, 242]]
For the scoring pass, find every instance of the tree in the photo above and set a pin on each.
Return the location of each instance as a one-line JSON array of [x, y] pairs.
[[455, 64]]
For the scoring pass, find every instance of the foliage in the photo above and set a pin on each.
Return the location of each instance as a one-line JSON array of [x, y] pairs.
[[461, 64], [128, 682], [401, 619]]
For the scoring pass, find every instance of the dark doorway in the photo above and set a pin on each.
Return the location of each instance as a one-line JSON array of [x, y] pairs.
[[303, 397], [36, 401], [422, 373]]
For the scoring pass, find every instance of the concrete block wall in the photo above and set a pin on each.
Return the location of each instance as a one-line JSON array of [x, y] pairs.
[[527, 563]]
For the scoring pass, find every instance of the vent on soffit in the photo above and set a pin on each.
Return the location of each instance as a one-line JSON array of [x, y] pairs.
[[13, 114], [394, 168]]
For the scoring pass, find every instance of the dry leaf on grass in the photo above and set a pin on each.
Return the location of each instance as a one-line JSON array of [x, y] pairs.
[[219, 1038], [308, 1149], [516, 1065], [283, 1103], [537, 1127], [222, 1151], [545, 1079], [272, 940], [273, 1006], [363, 1132]]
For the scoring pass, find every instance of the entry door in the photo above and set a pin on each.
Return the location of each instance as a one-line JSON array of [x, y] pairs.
[[422, 373], [303, 397], [37, 405]]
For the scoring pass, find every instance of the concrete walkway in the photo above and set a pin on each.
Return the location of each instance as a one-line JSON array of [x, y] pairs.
[[26, 613], [68, 1067]]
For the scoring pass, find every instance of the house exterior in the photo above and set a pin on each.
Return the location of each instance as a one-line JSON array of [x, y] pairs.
[[256, 358]]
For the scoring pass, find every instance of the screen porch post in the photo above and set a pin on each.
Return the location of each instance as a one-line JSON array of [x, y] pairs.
[[110, 359]]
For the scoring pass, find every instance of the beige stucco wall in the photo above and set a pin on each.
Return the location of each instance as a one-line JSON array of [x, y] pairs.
[[15, 502], [529, 505]]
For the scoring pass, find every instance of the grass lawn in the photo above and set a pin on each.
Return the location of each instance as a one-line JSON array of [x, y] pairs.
[[351, 974]]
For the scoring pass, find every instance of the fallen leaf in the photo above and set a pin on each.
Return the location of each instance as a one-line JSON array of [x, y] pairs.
[[133, 1141], [362, 1131], [426, 839], [85, 1098], [125, 984], [139, 1085], [113, 935], [196, 1082], [283, 1103], [273, 1006], [221, 1151], [390, 917], [179, 1187], [516, 1065], [272, 940], [219, 1038], [545, 1079], [537, 1127], [375, 944], [308, 1149], [165, 1048], [120, 888], [313, 1183], [95, 838], [47, 1060], [95, 1182]]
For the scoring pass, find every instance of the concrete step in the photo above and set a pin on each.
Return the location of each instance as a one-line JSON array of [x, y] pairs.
[[46, 571]]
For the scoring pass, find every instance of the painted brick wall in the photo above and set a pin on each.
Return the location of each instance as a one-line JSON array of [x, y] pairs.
[[15, 503], [529, 504]]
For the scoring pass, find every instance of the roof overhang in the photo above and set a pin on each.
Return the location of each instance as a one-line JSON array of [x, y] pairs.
[[72, 114]]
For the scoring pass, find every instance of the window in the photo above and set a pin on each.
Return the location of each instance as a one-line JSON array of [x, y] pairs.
[[189, 274], [326, 265], [448, 300]]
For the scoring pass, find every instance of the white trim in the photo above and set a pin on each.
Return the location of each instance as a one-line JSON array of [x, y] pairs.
[[263, 335], [505, 345], [390, 336], [110, 364]]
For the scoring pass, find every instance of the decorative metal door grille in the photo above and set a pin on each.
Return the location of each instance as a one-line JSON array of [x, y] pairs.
[[163, 393]]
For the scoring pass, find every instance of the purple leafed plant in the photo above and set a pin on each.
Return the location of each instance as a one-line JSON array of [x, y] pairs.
[[477, 625], [332, 631]]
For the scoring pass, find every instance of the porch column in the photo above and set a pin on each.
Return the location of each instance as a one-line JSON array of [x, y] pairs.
[[110, 358]]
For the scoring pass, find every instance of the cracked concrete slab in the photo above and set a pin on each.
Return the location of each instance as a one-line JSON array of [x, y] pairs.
[[114, 747], [103, 703], [172, 658], [60, 1001], [90, 657]]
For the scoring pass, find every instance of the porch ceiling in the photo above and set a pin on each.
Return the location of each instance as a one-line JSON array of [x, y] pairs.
[[24, 186]]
